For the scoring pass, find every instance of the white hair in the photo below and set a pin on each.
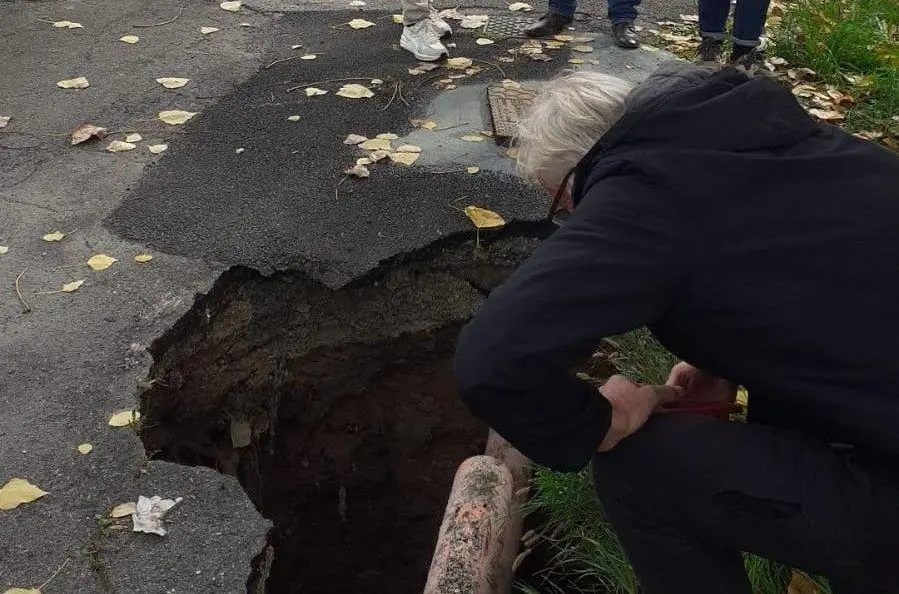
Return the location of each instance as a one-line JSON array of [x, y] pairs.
[[570, 115]]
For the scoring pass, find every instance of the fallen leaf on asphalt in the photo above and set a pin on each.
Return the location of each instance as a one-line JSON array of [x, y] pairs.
[[18, 491], [354, 139], [375, 144], [377, 81], [472, 170], [575, 61], [85, 448], [354, 91], [296, 47], [563, 38], [117, 146], [404, 158], [828, 115], [364, 161], [474, 21], [553, 45], [314, 92], [584, 49], [293, 118], [143, 258], [244, 25], [74, 83], [357, 3], [123, 510], [231, 6], [157, 148], [397, 18], [149, 513], [360, 24], [309, 57], [3, 249], [55, 236], [239, 150], [408, 148], [134, 137], [483, 218], [458, 63], [4, 120], [484, 41], [130, 39], [510, 84], [429, 125], [520, 6], [22, 591], [388, 136], [472, 138], [100, 262], [72, 286], [650, 48], [175, 117], [85, 132], [124, 418], [67, 25], [172, 82], [360, 171], [541, 58], [207, 30], [505, 59], [378, 155]]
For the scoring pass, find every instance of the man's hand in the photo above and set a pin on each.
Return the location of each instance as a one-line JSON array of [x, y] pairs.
[[631, 406], [699, 386]]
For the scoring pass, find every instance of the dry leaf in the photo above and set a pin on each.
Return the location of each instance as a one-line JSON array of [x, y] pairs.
[[117, 146], [143, 258], [100, 262], [505, 59], [584, 49], [379, 155], [553, 45], [74, 83], [157, 148], [404, 158], [72, 286], [357, 3], [175, 117], [483, 218], [244, 25], [22, 591], [354, 91], [563, 38], [650, 48], [364, 161], [130, 39], [85, 448], [354, 139], [134, 137], [408, 148], [375, 144], [67, 25], [309, 57], [4, 249], [85, 132], [149, 513], [18, 491], [207, 30], [429, 125], [124, 418], [231, 6], [474, 21], [387, 136], [4, 120], [397, 18], [472, 138], [510, 84], [458, 63], [123, 510], [293, 118], [377, 81], [239, 150], [357, 170], [484, 41], [520, 6], [171, 82], [314, 92], [575, 61], [360, 24], [55, 236], [472, 170], [828, 115], [800, 584], [297, 46]]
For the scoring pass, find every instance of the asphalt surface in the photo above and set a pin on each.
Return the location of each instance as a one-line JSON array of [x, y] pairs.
[[199, 208]]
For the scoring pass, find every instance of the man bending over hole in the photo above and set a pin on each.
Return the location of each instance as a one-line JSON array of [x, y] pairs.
[[760, 247]]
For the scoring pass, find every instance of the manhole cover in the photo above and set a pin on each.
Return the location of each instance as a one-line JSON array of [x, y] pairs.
[[501, 26], [507, 107]]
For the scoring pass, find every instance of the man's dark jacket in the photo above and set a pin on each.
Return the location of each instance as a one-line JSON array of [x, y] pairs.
[[756, 244]]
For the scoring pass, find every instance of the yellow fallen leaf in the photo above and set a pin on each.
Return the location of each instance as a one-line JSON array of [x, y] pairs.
[[828, 115], [308, 57], [231, 6], [360, 24], [130, 39], [117, 146], [296, 46], [22, 591], [742, 397], [472, 170], [408, 148], [397, 18], [364, 161], [18, 491], [378, 155], [584, 49], [123, 510], [293, 118], [237, 151], [3, 249], [355, 91], [85, 448], [67, 25], [553, 45], [357, 3], [377, 81], [55, 236], [483, 218], [473, 138], [74, 83], [375, 144], [357, 170], [650, 48], [575, 61], [4, 120], [520, 6], [175, 117], [143, 258], [429, 125], [563, 38], [387, 136], [404, 158], [157, 148], [484, 41], [354, 139], [207, 30], [135, 137], [459, 63], [100, 262], [124, 418], [72, 286], [85, 132], [315, 91], [172, 82]]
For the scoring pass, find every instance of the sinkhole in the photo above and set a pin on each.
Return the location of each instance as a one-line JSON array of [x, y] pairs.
[[335, 409]]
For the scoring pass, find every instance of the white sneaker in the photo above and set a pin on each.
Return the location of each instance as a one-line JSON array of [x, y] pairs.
[[423, 40], [442, 27]]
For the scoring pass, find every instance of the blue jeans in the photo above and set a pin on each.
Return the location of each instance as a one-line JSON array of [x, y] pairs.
[[749, 20], [620, 11]]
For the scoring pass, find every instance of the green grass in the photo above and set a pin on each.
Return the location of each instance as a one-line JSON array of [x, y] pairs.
[[584, 553], [852, 44]]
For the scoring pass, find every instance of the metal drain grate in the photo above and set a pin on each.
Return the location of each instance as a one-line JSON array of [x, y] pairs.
[[507, 107], [502, 26]]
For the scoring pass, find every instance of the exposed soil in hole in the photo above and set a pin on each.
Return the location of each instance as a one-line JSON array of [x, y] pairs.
[[336, 410]]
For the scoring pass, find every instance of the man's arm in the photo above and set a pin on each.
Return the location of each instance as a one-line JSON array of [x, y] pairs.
[[609, 269]]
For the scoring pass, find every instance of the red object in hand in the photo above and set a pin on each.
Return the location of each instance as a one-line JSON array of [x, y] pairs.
[[718, 410]]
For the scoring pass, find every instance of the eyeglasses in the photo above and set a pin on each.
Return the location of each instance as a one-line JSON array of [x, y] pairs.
[[555, 214]]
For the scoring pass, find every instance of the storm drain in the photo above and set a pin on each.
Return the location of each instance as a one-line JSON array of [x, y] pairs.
[[507, 107], [505, 26], [335, 409]]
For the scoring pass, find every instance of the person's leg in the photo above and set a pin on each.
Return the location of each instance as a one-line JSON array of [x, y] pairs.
[[559, 16], [688, 494], [415, 11], [749, 23], [420, 36], [712, 28], [622, 14]]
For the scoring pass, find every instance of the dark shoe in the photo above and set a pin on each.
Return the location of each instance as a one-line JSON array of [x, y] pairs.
[[746, 56], [709, 50], [549, 24], [625, 36]]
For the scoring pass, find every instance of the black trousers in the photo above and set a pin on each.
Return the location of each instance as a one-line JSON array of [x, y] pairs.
[[687, 494]]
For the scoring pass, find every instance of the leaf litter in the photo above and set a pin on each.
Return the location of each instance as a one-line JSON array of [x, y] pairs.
[[133, 137], [157, 148], [118, 146], [129, 39], [483, 218], [55, 236], [354, 91], [149, 513], [84, 449], [143, 258], [172, 82], [100, 262], [18, 491], [175, 117], [360, 24], [84, 132], [72, 286], [78, 82], [67, 25], [124, 418]]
